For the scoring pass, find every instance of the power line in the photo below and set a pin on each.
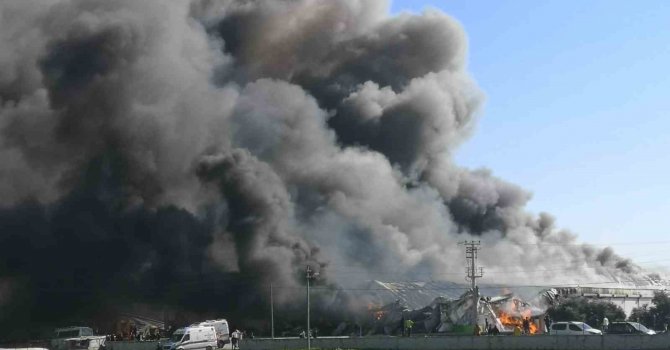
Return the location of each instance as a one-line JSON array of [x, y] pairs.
[[590, 244]]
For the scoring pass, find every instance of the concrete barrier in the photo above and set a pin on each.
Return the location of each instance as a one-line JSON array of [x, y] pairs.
[[540, 342], [131, 345]]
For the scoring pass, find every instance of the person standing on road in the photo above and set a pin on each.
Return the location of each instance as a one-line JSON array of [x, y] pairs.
[[526, 325], [408, 327], [517, 330], [606, 324], [547, 322], [235, 339]]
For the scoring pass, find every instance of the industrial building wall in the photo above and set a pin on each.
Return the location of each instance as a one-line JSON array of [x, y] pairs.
[[629, 304], [627, 298]]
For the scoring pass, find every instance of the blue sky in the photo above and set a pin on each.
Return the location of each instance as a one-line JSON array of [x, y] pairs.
[[576, 112]]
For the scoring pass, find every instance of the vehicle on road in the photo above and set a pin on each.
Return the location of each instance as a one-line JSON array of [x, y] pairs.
[[191, 338], [221, 328], [628, 328], [572, 328], [77, 338]]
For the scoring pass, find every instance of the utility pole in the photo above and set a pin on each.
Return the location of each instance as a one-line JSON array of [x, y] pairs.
[[272, 312], [471, 248], [310, 275]]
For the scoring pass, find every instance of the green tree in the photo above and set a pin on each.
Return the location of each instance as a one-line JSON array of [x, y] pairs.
[[656, 316], [643, 315], [587, 310]]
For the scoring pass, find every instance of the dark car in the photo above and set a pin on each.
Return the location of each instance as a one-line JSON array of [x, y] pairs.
[[628, 328]]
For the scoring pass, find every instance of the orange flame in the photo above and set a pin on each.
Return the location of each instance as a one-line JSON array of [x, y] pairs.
[[376, 312], [510, 321]]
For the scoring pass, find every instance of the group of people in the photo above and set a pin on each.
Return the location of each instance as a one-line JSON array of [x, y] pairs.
[[492, 329], [313, 333], [525, 323], [134, 334], [489, 328]]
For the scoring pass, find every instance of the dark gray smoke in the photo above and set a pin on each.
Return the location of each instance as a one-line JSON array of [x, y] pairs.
[[181, 152]]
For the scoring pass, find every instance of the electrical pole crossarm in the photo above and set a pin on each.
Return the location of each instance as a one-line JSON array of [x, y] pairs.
[[471, 249]]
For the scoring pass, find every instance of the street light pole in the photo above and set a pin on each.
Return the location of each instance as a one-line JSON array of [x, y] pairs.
[[272, 312], [309, 272]]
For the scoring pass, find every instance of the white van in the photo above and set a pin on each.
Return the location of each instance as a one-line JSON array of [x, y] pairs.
[[221, 328], [572, 328], [77, 338], [190, 338]]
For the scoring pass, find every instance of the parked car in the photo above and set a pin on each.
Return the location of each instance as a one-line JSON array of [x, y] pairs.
[[628, 328], [572, 328]]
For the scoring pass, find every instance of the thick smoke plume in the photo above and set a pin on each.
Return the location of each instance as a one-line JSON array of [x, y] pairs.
[[182, 152]]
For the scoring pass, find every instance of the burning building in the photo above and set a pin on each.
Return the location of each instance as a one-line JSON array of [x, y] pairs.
[[447, 307], [452, 307]]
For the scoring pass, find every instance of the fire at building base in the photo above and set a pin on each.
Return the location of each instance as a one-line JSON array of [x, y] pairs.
[[494, 314], [449, 308]]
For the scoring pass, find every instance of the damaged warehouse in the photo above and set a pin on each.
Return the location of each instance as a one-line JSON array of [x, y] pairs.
[[447, 307]]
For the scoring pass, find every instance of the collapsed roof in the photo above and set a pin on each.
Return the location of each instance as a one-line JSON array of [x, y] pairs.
[[416, 295], [448, 307]]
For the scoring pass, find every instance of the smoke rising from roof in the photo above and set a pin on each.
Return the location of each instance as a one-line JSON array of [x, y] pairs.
[[151, 149]]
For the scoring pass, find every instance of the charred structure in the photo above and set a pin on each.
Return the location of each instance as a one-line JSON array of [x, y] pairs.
[[452, 307]]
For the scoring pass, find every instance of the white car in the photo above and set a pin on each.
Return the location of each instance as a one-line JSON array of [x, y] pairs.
[[573, 328]]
